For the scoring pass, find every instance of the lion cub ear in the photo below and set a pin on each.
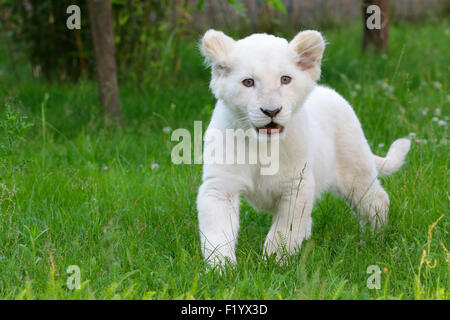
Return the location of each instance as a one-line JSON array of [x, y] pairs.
[[215, 47], [309, 46]]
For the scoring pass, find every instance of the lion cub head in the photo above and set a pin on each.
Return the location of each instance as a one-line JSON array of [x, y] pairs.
[[263, 79]]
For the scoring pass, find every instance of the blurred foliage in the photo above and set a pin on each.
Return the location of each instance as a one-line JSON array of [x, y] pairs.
[[147, 36], [38, 27]]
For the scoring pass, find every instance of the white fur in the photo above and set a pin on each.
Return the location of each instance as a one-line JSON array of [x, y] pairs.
[[322, 148]]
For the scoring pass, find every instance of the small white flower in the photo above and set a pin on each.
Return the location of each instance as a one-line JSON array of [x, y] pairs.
[[154, 166], [166, 130], [105, 167], [424, 111], [385, 85], [357, 86], [141, 166], [435, 119], [353, 93], [412, 134], [442, 123], [437, 111], [437, 85], [381, 145]]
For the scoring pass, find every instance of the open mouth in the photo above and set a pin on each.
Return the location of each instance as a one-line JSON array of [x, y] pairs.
[[270, 128]]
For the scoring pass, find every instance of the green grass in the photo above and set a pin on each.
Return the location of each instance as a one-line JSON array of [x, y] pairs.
[[75, 191]]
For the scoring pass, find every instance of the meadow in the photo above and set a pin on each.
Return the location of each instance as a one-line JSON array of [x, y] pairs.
[[75, 190]]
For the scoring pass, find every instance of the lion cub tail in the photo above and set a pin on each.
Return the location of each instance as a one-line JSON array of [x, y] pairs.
[[394, 158]]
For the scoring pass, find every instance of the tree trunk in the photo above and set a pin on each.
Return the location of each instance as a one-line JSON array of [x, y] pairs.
[[376, 38], [100, 18]]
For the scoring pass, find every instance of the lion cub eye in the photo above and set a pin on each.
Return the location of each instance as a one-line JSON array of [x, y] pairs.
[[285, 79], [248, 82]]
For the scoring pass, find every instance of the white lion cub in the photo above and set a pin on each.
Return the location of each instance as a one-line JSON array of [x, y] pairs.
[[268, 85]]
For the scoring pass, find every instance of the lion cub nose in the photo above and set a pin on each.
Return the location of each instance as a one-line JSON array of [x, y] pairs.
[[271, 112]]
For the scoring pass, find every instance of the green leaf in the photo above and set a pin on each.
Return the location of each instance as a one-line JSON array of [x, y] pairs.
[[278, 5], [200, 5], [123, 20]]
